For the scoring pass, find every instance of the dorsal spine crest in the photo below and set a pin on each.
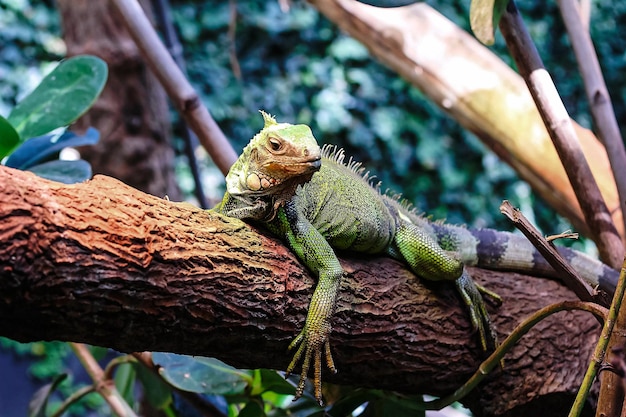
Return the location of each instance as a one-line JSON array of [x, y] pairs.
[[268, 119]]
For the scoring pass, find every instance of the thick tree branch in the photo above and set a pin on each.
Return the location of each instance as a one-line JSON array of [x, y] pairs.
[[104, 264]]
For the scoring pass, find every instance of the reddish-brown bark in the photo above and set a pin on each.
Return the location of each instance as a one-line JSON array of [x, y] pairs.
[[102, 263]]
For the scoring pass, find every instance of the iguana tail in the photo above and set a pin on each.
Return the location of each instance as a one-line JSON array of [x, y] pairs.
[[504, 251]]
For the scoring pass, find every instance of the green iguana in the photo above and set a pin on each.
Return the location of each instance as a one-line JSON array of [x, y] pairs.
[[317, 204]]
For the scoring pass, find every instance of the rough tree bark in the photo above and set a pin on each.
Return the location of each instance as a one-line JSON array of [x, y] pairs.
[[131, 113], [102, 263]]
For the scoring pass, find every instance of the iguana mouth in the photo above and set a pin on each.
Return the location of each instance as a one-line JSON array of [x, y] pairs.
[[313, 164], [316, 163]]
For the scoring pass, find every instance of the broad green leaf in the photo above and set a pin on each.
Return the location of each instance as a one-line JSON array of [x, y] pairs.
[[485, 17], [61, 97], [9, 137], [67, 172], [201, 375], [39, 402]]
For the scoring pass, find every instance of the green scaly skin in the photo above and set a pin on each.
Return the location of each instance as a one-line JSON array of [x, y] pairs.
[[318, 204]]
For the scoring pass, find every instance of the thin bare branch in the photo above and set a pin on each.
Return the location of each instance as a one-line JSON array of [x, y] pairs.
[[569, 275], [598, 95], [232, 42], [105, 387], [179, 90], [584, 10], [74, 397], [563, 135], [601, 349]]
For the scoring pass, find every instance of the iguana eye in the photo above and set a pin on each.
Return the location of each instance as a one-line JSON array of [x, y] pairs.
[[275, 144]]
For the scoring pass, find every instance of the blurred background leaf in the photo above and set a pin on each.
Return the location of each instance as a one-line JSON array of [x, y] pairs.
[[67, 172], [61, 97], [43, 148], [201, 375], [9, 138]]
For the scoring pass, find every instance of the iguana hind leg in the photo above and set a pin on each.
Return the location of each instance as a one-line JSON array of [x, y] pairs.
[[428, 260], [470, 293]]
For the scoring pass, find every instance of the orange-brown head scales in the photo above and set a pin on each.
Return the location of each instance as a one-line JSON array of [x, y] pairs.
[[279, 158]]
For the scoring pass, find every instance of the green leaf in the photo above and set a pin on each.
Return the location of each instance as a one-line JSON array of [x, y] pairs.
[[156, 391], [67, 172], [273, 381], [42, 148], [349, 402], [201, 375], [125, 382], [388, 404], [485, 17], [62, 96], [9, 138], [252, 409], [99, 352], [39, 402]]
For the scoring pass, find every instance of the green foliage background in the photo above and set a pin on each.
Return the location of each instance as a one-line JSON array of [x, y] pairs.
[[299, 67]]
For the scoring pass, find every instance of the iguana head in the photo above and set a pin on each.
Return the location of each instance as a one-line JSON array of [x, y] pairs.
[[277, 159]]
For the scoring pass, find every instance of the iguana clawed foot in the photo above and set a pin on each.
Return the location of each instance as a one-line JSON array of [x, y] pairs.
[[471, 295], [310, 344]]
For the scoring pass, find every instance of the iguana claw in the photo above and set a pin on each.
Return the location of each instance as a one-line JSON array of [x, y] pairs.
[[479, 316], [311, 346]]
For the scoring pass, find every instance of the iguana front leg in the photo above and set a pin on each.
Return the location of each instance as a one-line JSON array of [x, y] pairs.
[[428, 260], [241, 207], [315, 336], [315, 252]]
